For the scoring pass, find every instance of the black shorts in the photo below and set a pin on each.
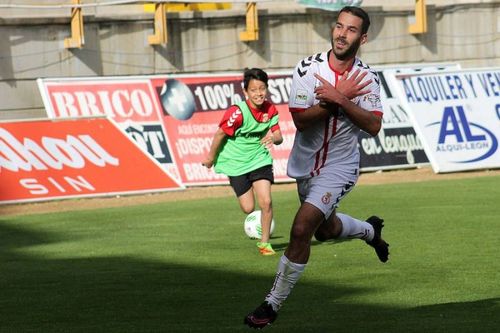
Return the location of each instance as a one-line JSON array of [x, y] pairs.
[[241, 184]]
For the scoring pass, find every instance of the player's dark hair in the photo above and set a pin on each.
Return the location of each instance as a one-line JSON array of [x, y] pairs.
[[356, 11], [254, 74]]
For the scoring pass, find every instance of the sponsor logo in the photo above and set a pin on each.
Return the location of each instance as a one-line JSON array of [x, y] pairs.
[[51, 153], [45, 159], [306, 63], [122, 101], [151, 139], [301, 97], [233, 117], [459, 137]]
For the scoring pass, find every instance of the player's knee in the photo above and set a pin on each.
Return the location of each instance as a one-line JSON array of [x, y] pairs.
[[266, 204], [321, 235], [300, 232], [247, 209]]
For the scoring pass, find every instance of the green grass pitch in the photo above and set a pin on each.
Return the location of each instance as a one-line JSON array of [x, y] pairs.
[[188, 267]]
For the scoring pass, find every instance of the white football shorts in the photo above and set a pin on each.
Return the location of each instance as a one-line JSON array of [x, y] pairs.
[[327, 189]]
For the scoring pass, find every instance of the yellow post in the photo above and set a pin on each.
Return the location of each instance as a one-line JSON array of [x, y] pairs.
[[160, 25], [77, 39], [252, 22], [420, 25]]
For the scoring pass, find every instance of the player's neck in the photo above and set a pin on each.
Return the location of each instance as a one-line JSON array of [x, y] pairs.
[[338, 65]]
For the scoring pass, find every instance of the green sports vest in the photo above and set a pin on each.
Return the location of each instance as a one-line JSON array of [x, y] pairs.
[[243, 152]]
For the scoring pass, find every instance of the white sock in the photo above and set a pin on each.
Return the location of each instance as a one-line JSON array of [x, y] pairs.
[[352, 228], [287, 275]]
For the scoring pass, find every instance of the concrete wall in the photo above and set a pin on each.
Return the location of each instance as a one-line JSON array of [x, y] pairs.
[[31, 42]]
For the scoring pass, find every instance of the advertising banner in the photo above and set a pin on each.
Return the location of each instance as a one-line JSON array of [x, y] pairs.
[[130, 102], [397, 145], [173, 118], [194, 106], [457, 116], [47, 159]]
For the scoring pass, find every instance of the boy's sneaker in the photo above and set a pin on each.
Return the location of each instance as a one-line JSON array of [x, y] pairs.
[[265, 249], [261, 317], [380, 246]]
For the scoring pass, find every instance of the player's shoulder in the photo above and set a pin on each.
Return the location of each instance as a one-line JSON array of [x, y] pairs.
[[270, 108], [305, 64], [363, 67]]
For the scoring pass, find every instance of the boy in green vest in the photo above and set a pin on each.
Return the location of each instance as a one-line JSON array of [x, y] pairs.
[[240, 150]]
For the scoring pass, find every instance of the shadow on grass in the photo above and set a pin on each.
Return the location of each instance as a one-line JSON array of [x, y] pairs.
[[123, 294]]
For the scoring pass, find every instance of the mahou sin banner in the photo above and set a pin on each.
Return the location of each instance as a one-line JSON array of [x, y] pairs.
[[47, 159]]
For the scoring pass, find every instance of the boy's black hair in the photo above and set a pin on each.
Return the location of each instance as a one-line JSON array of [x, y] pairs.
[[254, 74], [356, 11]]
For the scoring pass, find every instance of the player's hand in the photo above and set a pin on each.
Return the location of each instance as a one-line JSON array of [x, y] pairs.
[[353, 86], [267, 141], [208, 162], [326, 92]]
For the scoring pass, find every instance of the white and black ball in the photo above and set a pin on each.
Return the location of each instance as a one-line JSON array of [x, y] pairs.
[[177, 100]]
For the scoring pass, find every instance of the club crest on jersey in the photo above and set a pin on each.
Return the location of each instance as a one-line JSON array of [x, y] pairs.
[[325, 199], [265, 118], [301, 97]]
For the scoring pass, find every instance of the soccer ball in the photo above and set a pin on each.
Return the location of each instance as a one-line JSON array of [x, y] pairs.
[[252, 225]]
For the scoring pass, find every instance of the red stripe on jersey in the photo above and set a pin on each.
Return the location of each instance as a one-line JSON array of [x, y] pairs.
[[326, 139], [378, 113], [323, 149]]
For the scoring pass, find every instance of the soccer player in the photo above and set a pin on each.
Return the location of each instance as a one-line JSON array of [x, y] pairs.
[[240, 150], [333, 96]]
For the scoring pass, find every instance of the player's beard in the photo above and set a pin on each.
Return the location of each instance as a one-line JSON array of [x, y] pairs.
[[348, 53]]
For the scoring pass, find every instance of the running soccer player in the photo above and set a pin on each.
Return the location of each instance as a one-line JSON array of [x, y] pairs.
[[333, 96], [240, 150]]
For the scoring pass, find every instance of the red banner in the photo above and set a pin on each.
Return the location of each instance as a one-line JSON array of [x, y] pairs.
[[193, 108], [46, 159], [130, 102], [184, 110]]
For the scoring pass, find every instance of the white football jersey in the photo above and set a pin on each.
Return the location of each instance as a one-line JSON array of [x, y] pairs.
[[333, 142]]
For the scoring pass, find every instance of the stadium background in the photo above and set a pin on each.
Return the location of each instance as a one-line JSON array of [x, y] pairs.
[[138, 269], [116, 40]]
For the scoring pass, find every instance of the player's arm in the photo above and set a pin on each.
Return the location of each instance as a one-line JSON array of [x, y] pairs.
[[273, 138], [350, 87], [368, 121], [303, 106], [219, 138], [231, 121], [307, 117], [277, 137]]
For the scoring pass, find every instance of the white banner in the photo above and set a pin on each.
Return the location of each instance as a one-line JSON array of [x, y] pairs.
[[457, 116], [397, 145]]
